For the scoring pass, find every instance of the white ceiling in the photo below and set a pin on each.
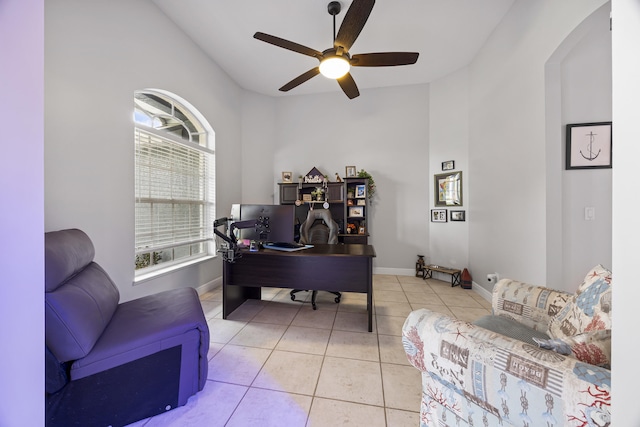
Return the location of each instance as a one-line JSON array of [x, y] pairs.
[[446, 33]]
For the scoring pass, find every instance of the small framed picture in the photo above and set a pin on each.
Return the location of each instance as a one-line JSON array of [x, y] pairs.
[[306, 197], [361, 202], [361, 230], [589, 146], [350, 171], [287, 177], [356, 211], [438, 215], [457, 215], [361, 191], [449, 165]]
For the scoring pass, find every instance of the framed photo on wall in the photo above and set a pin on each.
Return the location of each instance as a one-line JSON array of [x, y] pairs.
[[589, 146], [448, 189], [449, 165], [438, 215], [457, 215]]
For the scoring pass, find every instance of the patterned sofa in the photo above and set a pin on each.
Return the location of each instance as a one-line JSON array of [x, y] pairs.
[[541, 359]]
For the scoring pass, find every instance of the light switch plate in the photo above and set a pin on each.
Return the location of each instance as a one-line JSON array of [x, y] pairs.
[[589, 213]]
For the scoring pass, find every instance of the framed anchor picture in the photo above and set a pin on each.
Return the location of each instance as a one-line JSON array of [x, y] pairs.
[[589, 146]]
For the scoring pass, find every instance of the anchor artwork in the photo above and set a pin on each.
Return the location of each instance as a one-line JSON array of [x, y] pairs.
[[589, 145]]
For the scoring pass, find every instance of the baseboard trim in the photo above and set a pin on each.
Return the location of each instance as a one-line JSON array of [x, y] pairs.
[[215, 283], [394, 271], [481, 291]]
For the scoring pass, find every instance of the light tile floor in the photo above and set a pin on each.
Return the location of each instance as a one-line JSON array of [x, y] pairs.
[[277, 362]]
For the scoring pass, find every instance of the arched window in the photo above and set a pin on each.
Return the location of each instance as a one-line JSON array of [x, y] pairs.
[[174, 181]]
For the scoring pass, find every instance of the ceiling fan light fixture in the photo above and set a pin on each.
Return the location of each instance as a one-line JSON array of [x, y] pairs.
[[334, 67]]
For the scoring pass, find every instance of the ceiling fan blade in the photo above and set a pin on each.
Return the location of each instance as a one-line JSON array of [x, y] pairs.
[[353, 23], [286, 44], [384, 59], [349, 86], [300, 79]]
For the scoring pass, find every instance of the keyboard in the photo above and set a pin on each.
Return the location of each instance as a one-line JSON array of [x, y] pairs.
[[284, 245]]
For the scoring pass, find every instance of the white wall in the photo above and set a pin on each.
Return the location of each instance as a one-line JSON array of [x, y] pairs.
[[384, 131], [22, 215], [258, 146], [97, 55], [586, 97], [626, 229], [448, 140], [578, 90], [507, 156]]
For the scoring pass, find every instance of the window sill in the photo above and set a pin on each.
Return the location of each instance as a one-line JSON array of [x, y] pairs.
[[145, 277]]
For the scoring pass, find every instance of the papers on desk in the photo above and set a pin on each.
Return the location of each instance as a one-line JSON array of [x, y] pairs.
[[277, 247]]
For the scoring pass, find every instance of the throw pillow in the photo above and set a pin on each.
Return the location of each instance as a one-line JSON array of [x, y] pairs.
[[590, 347], [588, 310]]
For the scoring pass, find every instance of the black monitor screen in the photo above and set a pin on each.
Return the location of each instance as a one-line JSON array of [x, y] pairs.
[[278, 219]]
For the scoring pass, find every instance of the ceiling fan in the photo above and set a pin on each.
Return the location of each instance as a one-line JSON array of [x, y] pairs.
[[335, 62]]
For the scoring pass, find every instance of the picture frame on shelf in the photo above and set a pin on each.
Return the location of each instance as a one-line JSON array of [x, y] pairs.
[[449, 165], [287, 177], [356, 212], [361, 230], [447, 189], [361, 202], [438, 215], [350, 171], [306, 197], [457, 215], [589, 146], [361, 191]]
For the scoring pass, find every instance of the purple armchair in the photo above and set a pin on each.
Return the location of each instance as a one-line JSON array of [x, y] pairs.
[[109, 363]]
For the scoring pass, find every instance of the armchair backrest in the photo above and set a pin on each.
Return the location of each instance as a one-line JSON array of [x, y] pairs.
[[80, 297], [307, 235]]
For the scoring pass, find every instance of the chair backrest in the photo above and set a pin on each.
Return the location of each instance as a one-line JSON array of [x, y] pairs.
[[80, 297], [315, 233]]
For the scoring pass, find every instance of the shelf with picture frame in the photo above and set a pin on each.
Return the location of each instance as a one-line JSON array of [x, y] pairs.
[[356, 209], [350, 192]]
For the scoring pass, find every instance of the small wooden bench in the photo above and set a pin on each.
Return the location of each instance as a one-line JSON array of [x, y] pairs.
[[455, 273]]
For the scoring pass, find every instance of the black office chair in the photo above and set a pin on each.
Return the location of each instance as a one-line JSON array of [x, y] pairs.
[[319, 227]]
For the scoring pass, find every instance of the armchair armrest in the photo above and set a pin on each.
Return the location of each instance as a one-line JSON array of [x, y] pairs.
[[473, 373], [530, 305]]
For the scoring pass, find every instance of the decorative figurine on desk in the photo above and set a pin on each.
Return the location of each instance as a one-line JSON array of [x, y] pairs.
[[338, 179], [420, 266]]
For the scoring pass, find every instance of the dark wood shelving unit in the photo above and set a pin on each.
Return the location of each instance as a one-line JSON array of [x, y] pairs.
[[337, 195]]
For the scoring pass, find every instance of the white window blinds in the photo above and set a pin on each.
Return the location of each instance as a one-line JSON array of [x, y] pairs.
[[174, 190]]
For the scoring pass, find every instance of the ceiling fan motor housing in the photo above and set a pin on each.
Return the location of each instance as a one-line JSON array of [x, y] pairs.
[[334, 8]]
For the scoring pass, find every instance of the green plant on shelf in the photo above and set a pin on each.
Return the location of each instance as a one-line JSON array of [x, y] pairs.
[[371, 187], [318, 193]]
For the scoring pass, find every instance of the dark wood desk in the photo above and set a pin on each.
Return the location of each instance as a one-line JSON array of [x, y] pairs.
[[338, 268]]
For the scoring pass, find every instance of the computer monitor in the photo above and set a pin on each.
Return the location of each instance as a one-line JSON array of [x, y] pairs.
[[280, 219]]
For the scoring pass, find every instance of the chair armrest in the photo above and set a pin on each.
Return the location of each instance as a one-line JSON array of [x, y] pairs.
[[530, 305], [467, 369]]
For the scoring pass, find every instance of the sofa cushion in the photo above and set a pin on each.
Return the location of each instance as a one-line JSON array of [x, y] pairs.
[[588, 310], [510, 328], [77, 313], [66, 252], [590, 347], [80, 297]]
